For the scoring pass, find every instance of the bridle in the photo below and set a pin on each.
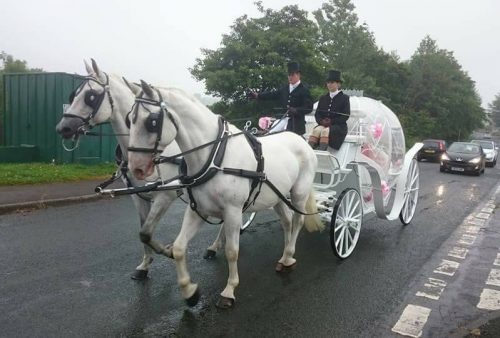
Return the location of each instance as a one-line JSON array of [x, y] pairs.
[[93, 98], [154, 121]]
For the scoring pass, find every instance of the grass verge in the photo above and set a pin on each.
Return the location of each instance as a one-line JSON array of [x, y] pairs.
[[33, 173]]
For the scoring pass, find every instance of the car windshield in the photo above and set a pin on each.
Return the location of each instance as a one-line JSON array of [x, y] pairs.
[[465, 148], [434, 144], [486, 145]]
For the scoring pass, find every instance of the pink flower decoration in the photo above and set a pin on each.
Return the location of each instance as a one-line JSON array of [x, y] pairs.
[[367, 197], [376, 129], [384, 187], [264, 122]]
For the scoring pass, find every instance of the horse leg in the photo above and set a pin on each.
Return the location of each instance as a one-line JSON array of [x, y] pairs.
[[190, 226], [161, 202], [232, 225], [285, 215], [299, 200], [212, 249], [141, 271]]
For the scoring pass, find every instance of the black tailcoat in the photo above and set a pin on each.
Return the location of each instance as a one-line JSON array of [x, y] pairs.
[[330, 107], [299, 98]]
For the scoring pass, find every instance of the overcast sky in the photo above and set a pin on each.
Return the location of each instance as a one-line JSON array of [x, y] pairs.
[[158, 40]]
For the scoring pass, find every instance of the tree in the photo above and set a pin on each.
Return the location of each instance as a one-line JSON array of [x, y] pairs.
[[254, 56], [441, 88], [494, 107], [350, 47], [10, 65]]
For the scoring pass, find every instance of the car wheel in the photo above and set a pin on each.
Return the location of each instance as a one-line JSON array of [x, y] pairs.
[[495, 162], [441, 169]]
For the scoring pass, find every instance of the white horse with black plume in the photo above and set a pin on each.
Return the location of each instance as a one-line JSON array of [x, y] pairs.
[[226, 172], [101, 98]]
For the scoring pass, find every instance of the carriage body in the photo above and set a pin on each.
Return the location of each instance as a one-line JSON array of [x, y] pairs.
[[372, 174]]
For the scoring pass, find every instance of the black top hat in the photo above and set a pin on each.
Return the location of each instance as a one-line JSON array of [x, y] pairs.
[[333, 76], [293, 67]]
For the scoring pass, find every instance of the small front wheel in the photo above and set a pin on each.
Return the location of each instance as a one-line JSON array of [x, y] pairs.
[[247, 220], [346, 223]]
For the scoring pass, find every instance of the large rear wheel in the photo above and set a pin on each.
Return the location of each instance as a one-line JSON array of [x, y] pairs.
[[411, 194], [346, 223]]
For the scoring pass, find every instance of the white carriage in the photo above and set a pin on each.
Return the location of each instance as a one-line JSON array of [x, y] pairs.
[[371, 174]]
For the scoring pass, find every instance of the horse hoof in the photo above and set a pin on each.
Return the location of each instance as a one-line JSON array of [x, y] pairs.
[[225, 303], [194, 299], [139, 275], [210, 254], [280, 267]]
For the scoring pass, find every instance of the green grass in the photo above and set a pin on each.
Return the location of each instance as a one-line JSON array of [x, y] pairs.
[[33, 173]]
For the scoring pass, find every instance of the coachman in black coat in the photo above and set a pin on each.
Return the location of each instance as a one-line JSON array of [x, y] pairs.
[[297, 103], [338, 109]]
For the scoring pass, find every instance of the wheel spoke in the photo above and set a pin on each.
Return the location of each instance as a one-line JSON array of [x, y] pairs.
[[341, 223]]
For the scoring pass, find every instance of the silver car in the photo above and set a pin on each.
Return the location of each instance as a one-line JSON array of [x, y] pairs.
[[490, 150]]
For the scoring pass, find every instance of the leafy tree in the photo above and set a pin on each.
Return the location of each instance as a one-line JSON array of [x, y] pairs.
[[440, 87], [349, 46], [10, 65], [254, 56], [494, 107]]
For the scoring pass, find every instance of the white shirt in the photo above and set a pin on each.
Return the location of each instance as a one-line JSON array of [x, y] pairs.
[[293, 86], [332, 94]]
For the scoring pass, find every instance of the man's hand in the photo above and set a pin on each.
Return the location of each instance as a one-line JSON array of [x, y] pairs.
[[252, 95], [292, 111], [325, 122]]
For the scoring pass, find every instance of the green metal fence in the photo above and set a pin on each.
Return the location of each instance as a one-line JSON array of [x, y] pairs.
[[34, 104]]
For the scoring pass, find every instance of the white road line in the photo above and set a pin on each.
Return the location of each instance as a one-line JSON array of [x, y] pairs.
[[487, 209], [467, 239], [471, 229], [412, 321], [497, 260], [494, 277], [483, 215], [433, 289], [447, 267], [489, 300], [458, 252], [476, 221]]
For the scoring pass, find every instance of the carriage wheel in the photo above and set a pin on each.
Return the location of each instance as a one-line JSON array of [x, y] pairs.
[[346, 223], [247, 220], [410, 194]]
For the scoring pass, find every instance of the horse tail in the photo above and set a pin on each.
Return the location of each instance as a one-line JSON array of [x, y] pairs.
[[312, 222]]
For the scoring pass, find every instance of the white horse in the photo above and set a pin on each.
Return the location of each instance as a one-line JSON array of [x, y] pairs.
[[289, 164], [104, 98]]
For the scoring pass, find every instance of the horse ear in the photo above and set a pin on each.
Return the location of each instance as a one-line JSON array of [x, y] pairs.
[[132, 86], [97, 71], [147, 89], [89, 69]]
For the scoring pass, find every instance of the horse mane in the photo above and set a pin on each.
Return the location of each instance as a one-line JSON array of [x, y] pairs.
[[179, 97]]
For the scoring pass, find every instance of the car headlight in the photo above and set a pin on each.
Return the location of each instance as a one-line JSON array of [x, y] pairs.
[[445, 157], [475, 160]]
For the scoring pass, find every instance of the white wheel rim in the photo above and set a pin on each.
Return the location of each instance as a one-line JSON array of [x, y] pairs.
[[411, 193], [247, 220], [348, 223]]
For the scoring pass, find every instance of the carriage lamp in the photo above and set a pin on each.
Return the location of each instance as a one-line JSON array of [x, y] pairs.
[[475, 160], [444, 157]]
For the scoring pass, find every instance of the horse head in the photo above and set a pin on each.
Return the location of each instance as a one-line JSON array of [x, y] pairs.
[[152, 127], [90, 104]]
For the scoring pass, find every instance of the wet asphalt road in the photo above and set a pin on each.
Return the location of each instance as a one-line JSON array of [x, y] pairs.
[[65, 271]]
